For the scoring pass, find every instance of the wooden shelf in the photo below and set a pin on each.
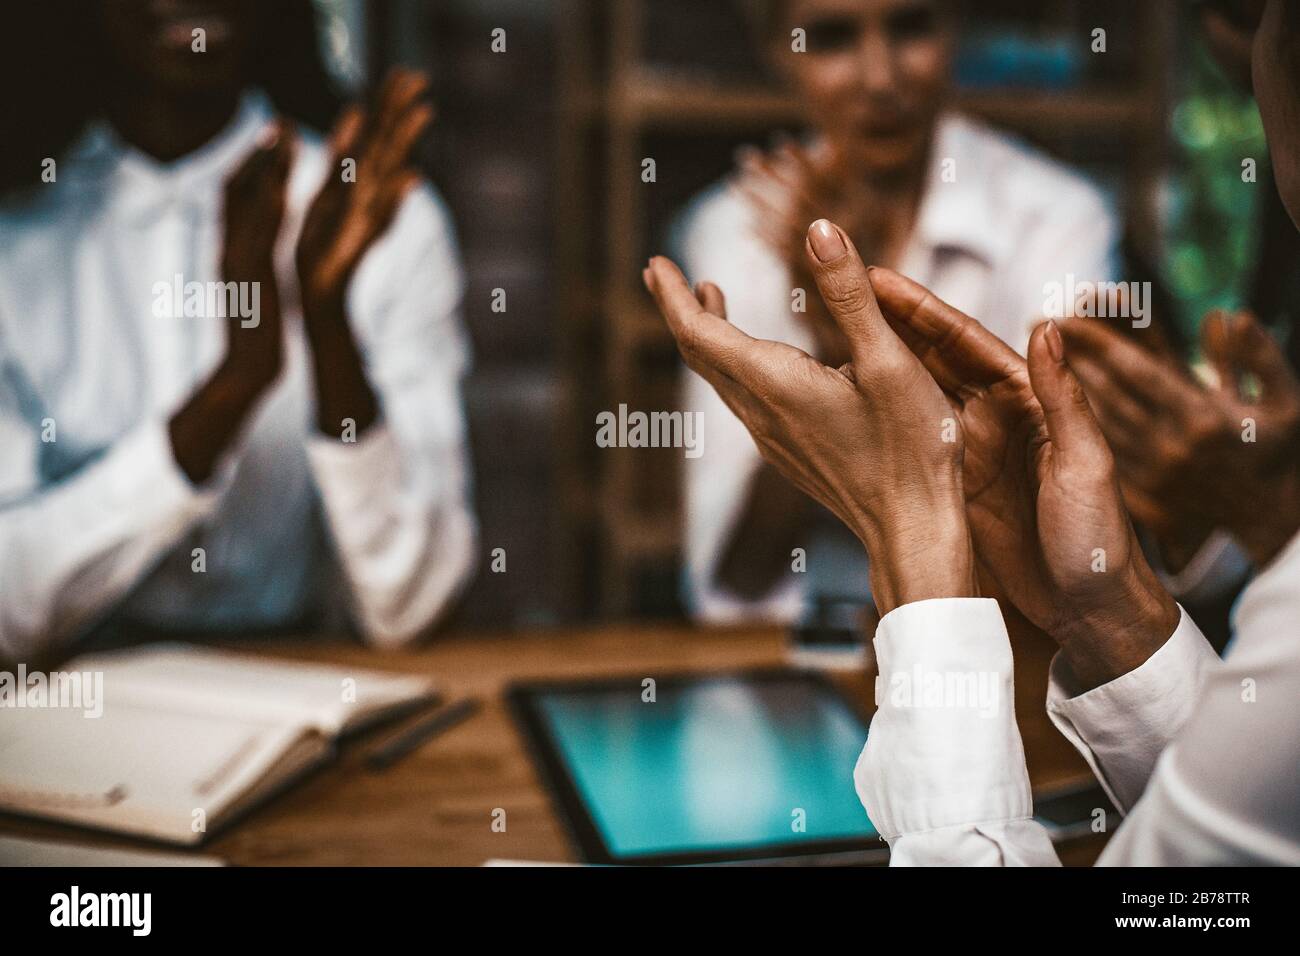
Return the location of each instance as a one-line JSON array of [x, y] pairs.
[[636, 323], [651, 98]]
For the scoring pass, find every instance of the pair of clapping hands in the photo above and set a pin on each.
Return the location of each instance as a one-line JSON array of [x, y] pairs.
[[941, 448], [1194, 458]]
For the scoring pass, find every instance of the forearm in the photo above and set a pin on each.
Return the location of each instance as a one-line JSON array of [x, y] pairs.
[[208, 424], [69, 553], [343, 392]]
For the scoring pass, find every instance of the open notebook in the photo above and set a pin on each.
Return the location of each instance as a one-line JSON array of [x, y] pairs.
[[189, 737]]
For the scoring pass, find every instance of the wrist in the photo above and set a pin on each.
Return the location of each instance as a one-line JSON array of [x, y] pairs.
[[1114, 639], [205, 426], [320, 292], [238, 385], [320, 304], [928, 555], [255, 268]]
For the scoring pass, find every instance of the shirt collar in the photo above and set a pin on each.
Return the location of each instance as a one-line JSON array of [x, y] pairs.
[[958, 210], [139, 185]]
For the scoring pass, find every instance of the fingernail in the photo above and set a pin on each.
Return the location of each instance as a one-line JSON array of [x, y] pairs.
[[1055, 346], [826, 242]]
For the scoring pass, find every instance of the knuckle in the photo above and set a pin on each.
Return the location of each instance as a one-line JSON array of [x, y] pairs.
[[845, 293], [893, 369]]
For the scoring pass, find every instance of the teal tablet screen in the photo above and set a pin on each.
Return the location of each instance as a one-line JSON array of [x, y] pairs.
[[712, 765]]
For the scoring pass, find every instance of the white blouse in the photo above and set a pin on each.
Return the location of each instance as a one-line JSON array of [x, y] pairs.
[[97, 520]]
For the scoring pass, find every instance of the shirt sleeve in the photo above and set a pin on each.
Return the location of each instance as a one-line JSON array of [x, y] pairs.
[[1226, 791], [942, 775], [71, 550], [1122, 727], [397, 501]]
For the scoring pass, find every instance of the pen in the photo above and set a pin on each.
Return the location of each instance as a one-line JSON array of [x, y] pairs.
[[422, 731]]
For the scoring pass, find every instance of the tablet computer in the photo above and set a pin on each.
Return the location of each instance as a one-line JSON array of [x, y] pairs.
[[753, 766]]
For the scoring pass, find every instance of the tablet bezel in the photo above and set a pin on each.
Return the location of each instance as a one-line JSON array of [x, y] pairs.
[[521, 699]]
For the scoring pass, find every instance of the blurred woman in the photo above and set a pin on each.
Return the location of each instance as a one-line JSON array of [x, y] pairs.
[[229, 352], [975, 216]]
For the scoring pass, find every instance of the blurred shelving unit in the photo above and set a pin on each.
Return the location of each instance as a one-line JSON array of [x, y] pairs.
[[618, 103]]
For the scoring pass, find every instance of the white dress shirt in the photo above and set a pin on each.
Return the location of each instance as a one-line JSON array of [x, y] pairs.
[[96, 519], [993, 228], [1202, 754]]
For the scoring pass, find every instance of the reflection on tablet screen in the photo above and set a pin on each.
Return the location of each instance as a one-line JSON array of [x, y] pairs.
[[712, 765]]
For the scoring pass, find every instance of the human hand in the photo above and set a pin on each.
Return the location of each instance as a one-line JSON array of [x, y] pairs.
[[1222, 456], [1042, 498], [791, 186], [206, 425], [866, 440], [346, 218], [253, 210]]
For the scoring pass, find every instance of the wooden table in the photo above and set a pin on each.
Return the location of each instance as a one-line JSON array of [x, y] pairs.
[[436, 805]]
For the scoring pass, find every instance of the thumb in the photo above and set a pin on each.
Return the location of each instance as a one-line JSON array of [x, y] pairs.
[[1072, 427], [845, 287]]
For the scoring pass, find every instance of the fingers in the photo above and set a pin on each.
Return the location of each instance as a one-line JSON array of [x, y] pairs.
[[1214, 345], [1251, 349], [402, 91], [254, 196], [269, 159], [709, 344], [1114, 406], [407, 133], [779, 173], [1131, 367], [388, 132], [1075, 434], [346, 133], [711, 297], [956, 349], [846, 289]]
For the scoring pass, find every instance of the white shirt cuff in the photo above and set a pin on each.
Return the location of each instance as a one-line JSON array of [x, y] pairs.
[[1122, 727], [141, 469], [943, 748], [351, 467]]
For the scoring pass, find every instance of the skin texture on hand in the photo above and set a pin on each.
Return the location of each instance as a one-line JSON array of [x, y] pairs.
[[254, 207], [1042, 498], [1225, 456], [866, 440]]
